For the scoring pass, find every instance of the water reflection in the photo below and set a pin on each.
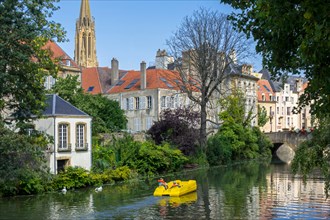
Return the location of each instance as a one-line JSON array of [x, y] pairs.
[[247, 191]]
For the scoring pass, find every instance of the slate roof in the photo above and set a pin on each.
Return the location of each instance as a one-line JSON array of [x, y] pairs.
[[277, 84], [236, 70], [56, 106]]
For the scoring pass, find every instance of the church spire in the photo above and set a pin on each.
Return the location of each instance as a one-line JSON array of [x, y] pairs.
[[85, 11], [85, 40]]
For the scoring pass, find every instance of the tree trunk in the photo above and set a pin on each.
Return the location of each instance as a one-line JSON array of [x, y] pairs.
[[202, 133]]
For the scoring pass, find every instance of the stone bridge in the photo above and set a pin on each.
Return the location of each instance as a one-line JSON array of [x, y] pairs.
[[286, 143]]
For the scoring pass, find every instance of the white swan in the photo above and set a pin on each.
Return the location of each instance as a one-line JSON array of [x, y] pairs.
[[64, 190], [98, 189]]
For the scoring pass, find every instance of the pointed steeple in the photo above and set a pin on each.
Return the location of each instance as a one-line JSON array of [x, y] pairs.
[[85, 40], [85, 11]]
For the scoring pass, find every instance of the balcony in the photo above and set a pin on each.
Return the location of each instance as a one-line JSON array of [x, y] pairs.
[[64, 148], [81, 147]]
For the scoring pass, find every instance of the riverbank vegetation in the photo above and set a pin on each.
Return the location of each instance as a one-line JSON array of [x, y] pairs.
[[236, 139]]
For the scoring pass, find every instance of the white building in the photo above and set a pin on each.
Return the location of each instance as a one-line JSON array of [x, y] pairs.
[[71, 130], [287, 92]]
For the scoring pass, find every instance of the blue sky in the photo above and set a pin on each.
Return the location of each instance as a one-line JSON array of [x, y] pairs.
[[130, 30]]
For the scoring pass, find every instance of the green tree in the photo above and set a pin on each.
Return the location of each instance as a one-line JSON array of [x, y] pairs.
[[292, 37], [107, 114], [262, 116], [236, 140], [23, 167], [315, 154], [24, 64]]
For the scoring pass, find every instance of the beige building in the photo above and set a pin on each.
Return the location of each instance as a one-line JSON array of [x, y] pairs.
[[286, 97], [67, 65], [266, 101]]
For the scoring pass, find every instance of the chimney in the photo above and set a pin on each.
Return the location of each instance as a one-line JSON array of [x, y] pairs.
[[114, 71], [143, 69]]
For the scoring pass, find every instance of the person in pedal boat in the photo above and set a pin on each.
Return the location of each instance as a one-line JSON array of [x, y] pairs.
[[161, 182]]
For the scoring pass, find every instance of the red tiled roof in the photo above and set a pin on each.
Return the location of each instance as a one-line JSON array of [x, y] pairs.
[[99, 79], [156, 78], [58, 53], [90, 79], [264, 88]]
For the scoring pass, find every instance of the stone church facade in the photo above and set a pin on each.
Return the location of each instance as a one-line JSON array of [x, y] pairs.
[[85, 39]]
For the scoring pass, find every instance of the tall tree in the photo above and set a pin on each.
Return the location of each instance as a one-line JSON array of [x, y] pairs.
[[25, 29], [293, 37], [201, 47]]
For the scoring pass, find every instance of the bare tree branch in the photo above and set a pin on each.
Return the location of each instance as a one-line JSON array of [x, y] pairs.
[[204, 48]]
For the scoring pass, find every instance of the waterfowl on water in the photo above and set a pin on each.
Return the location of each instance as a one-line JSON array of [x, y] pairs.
[[98, 189]]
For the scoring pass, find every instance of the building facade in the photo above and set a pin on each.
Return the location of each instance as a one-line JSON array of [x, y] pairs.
[[68, 67], [71, 130], [267, 102], [287, 91]]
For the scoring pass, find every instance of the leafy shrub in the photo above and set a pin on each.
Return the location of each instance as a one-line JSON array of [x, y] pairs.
[[143, 157], [72, 177], [178, 127], [120, 174], [219, 150]]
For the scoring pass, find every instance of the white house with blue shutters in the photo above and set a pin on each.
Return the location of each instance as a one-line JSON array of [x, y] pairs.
[[71, 130]]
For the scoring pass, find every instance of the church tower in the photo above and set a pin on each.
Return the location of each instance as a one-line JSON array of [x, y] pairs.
[[85, 41]]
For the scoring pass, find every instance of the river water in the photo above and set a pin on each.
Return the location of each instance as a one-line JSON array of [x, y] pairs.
[[246, 191]]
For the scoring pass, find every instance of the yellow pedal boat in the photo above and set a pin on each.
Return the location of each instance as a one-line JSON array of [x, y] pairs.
[[178, 189]]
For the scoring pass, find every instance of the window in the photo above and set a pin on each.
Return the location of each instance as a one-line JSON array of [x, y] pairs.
[[163, 101], [292, 99], [49, 82], [130, 104], [149, 102], [127, 104], [270, 97], [80, 135], [277, 99], [286, 99], [142, 104], [137, 124], [137, 102], [288, 122], [149, 123], [168, 102], [288, 110], [172, 102], [277, 110], [263, 97], [63, 136], [176, 101]]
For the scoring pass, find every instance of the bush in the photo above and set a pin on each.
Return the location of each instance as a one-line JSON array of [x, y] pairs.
[[219, 150], [72, 177], [178, 127], [145, 158]]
